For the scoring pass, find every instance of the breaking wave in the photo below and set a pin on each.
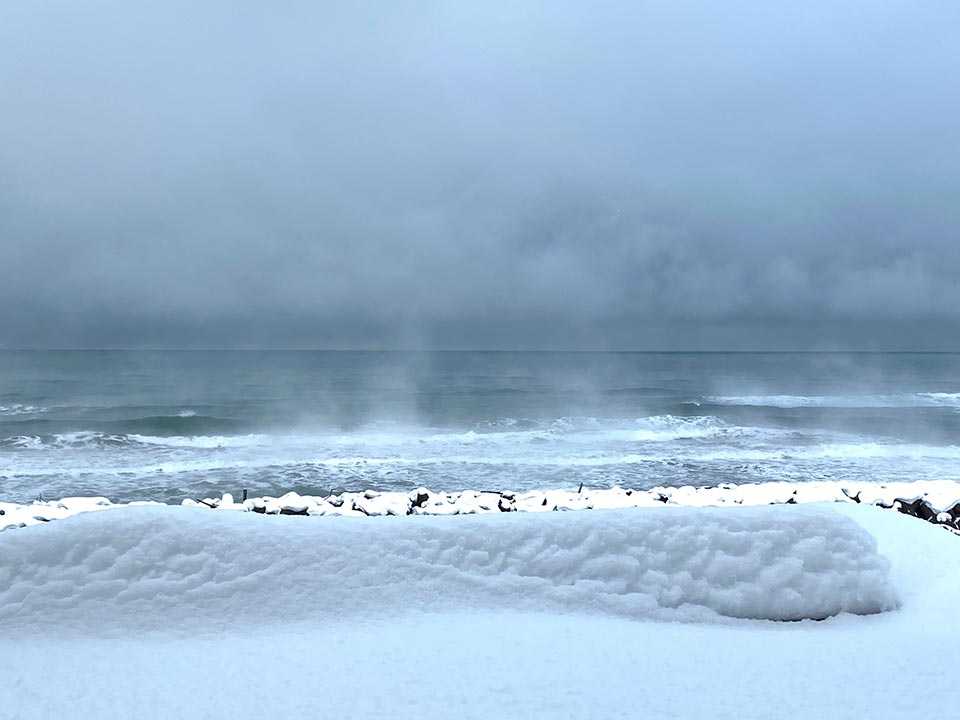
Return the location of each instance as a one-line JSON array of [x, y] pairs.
[[904, 400], [184, 423], [657, 429]]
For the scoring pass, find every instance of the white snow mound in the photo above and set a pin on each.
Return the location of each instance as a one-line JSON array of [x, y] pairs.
[[159, 568]]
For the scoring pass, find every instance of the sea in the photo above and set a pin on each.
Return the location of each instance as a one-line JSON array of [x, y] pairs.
[[169, 425]]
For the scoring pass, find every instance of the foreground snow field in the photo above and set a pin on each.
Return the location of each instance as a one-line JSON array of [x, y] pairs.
[[174, 612]]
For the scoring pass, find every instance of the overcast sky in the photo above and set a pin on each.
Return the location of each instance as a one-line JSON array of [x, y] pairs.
[[626, 174]]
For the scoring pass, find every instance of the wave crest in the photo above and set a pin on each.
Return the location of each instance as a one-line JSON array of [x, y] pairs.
[[20, 409], [903, 400]]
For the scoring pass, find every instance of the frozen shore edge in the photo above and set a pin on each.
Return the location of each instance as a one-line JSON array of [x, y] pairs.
[[936, 501]]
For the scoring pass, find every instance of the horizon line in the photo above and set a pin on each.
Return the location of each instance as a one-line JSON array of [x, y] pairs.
[[754, 351]]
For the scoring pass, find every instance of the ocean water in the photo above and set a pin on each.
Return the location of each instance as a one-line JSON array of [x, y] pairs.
[[135, 425]]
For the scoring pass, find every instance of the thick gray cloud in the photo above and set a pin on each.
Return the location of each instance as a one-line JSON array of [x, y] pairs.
[[557, 174]]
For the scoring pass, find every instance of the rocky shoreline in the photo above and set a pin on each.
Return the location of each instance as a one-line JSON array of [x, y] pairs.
[[936, 502]]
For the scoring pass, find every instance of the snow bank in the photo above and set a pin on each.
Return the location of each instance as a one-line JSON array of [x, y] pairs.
[[161, 567]]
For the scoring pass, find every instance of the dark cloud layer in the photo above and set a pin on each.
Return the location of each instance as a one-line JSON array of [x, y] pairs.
[[557, 174]]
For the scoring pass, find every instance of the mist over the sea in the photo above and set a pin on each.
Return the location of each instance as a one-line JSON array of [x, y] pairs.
[[142, 425], [610, 175]]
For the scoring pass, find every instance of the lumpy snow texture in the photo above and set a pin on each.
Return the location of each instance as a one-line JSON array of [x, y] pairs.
[[162, 567]]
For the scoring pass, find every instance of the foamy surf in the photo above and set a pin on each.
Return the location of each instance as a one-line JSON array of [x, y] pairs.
[[639, 453]]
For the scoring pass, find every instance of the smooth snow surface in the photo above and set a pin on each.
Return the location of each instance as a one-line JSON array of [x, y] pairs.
[[156, 567], [173, 612]]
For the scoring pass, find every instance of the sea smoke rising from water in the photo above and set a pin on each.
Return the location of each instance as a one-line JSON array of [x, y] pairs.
[[165, 426]]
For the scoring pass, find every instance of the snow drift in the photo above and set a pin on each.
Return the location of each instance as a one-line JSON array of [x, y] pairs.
[[165, 567]]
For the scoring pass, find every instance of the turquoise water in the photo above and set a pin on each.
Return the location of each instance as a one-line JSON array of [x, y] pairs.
[[167, 425]]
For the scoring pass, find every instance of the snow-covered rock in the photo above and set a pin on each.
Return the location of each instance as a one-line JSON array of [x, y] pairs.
[[935, 501]]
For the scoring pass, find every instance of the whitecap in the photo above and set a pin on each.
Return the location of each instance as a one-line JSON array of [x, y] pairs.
[[903, 400], [19, 409], [201, 441]]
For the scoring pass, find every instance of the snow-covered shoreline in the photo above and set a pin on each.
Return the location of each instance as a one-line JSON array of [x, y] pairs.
[[659, 611], [937, 501]]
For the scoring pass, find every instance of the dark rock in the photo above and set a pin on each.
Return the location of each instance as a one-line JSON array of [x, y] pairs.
[[855, 498], [919, 508], [927, 512], [291, 511]]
